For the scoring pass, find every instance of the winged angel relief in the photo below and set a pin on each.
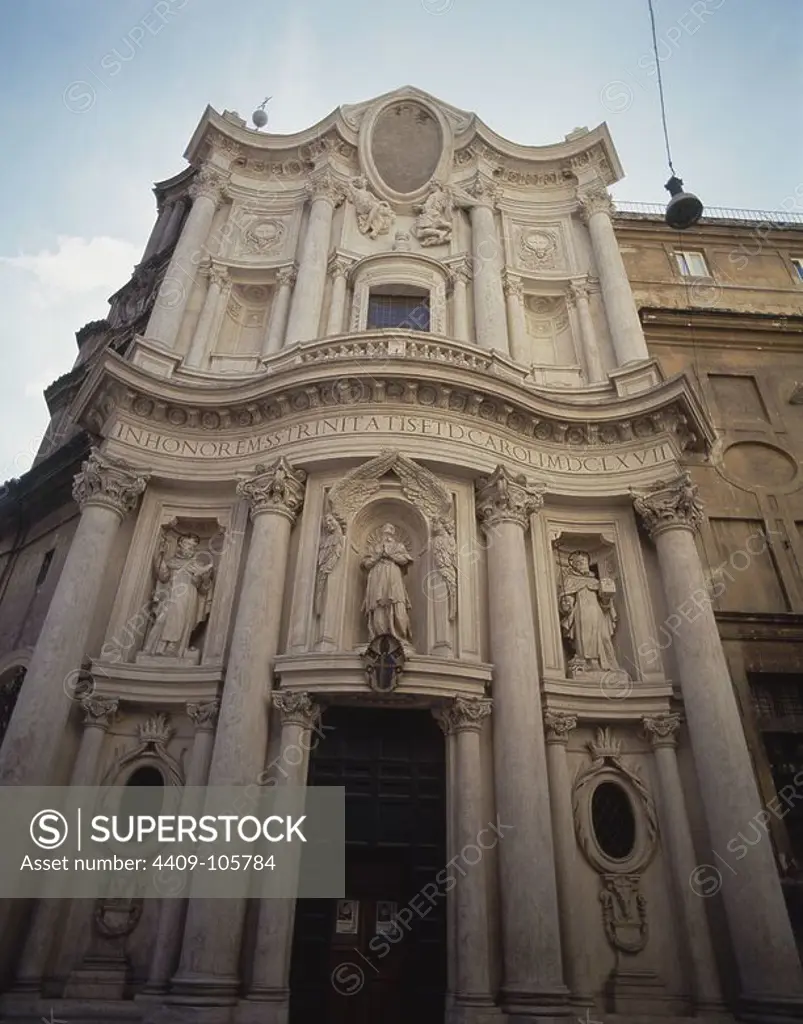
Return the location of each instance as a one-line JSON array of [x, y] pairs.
[[386, 602]]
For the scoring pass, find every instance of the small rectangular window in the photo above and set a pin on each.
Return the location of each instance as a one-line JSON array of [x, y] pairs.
[[408, 312], [691, 264], [797, 264], [45, 566]]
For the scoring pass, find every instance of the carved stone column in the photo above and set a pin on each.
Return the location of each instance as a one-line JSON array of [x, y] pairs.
[[305, 310], [575, 952], [532, 973], [213, 933], [173, 908], [208, 326], [285, 279], [270, 979], [158, 231], [99, 713], [171, 302], [490, 322], [107, 489], [461, 275], [338, 270], [578, 297], [701, 962], [173, 226], [520, 349], [759, 925], [623, 319], [461, 722]]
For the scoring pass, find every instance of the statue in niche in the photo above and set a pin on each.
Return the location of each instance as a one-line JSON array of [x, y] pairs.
[[434, 223], [386, 603], [181, 598], [374, 216], [329, 551], [588, 617]]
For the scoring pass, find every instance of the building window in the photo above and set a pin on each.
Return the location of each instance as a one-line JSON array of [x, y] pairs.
[[388, 310], [691, 264], [45, 566], [797, 265]]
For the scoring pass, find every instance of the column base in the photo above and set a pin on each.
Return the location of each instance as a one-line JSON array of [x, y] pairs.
[[264, 1006], [477, 1009], [541, 1007], [770, 1009], [187, 990]]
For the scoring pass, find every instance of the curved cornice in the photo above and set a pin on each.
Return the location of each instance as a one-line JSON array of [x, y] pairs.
[[468, 130], [397, 369]]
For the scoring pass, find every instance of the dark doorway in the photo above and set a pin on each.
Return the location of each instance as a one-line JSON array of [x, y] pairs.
[[351, 960]]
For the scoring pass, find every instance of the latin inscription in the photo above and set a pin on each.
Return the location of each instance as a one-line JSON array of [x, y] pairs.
[[392, 425]]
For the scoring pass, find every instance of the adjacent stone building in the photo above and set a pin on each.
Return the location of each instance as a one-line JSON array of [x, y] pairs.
[[403, 449]]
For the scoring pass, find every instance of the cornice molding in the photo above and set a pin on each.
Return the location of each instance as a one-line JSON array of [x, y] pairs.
[[401, 369]]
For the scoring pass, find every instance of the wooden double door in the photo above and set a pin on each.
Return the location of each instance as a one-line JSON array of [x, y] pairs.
[[378, 954]]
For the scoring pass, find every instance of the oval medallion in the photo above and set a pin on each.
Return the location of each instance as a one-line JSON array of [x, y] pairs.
[[759, 465], [406, 145]]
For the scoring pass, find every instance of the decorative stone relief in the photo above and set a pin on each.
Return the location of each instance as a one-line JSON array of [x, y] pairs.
[[558, 726], [209, 183], [624, 913], [374, 216], [109, 482], [387, 603], [154, 735], [669, 504], [588, 616], [505, 497], [539, 249], [444, 551], [297, 708], [463, 713], [277, 488], [330, 549], [204, 716], [433, 225], [99, 711], [661, 730], [401, 242], [264, 236], [181, 598], [384, 659]]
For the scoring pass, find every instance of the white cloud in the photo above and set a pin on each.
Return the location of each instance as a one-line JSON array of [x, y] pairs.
[[79, 265]]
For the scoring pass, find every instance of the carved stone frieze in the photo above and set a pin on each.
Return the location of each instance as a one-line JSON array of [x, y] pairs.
[[297, 708], [277, 488], [109, 482], [463, 713], [672, 504], [505, 497]]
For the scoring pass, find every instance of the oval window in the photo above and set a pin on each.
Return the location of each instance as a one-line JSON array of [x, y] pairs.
[[144, 793], [613, 820]]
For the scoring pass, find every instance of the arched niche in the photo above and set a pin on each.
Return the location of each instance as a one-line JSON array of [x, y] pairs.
[[412, 530], [408, 273]]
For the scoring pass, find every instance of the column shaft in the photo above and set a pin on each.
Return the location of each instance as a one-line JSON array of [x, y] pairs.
[[520, 347], [620, 308], [588, 334], [305, 309], [490, 322], [533, 977], [213, 931], [461, 272], [173, 225], [208, 323], [106, 489], [278, 314], [190, 250], [761, 935], [339, 269]]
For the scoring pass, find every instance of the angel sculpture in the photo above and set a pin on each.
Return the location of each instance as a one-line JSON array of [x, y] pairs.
[[374, 216], [329, 551], [444, 552], [434, 223], [181, 598]]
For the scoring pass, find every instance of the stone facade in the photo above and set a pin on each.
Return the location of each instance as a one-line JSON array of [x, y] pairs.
[[381, 390]]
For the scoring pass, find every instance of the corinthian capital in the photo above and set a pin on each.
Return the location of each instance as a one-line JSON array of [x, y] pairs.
[[277, 488], [461, 271], [99, 711], [463, 713], [512, 284], [338, 266], [505, 497], [216, 273], [661, 729], [324, 185], [109, 482], [594, 199], [558, 726], [208, 183], [297, 708], [286, 275], [204, 716], [672, 504]]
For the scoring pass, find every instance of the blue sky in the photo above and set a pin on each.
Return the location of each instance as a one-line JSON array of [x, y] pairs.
[[101, 96]]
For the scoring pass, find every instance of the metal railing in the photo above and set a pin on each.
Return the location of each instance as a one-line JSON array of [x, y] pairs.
[[777, 218]]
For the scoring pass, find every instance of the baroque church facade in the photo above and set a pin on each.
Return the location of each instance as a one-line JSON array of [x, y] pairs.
[[370, 479]]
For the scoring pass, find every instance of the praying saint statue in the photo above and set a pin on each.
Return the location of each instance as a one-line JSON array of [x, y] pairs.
[[386, 603], [588, 617], [181, 598]]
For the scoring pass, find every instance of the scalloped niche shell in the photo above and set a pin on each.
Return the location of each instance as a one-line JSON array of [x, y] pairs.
[[759, 465], [406, 145]]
